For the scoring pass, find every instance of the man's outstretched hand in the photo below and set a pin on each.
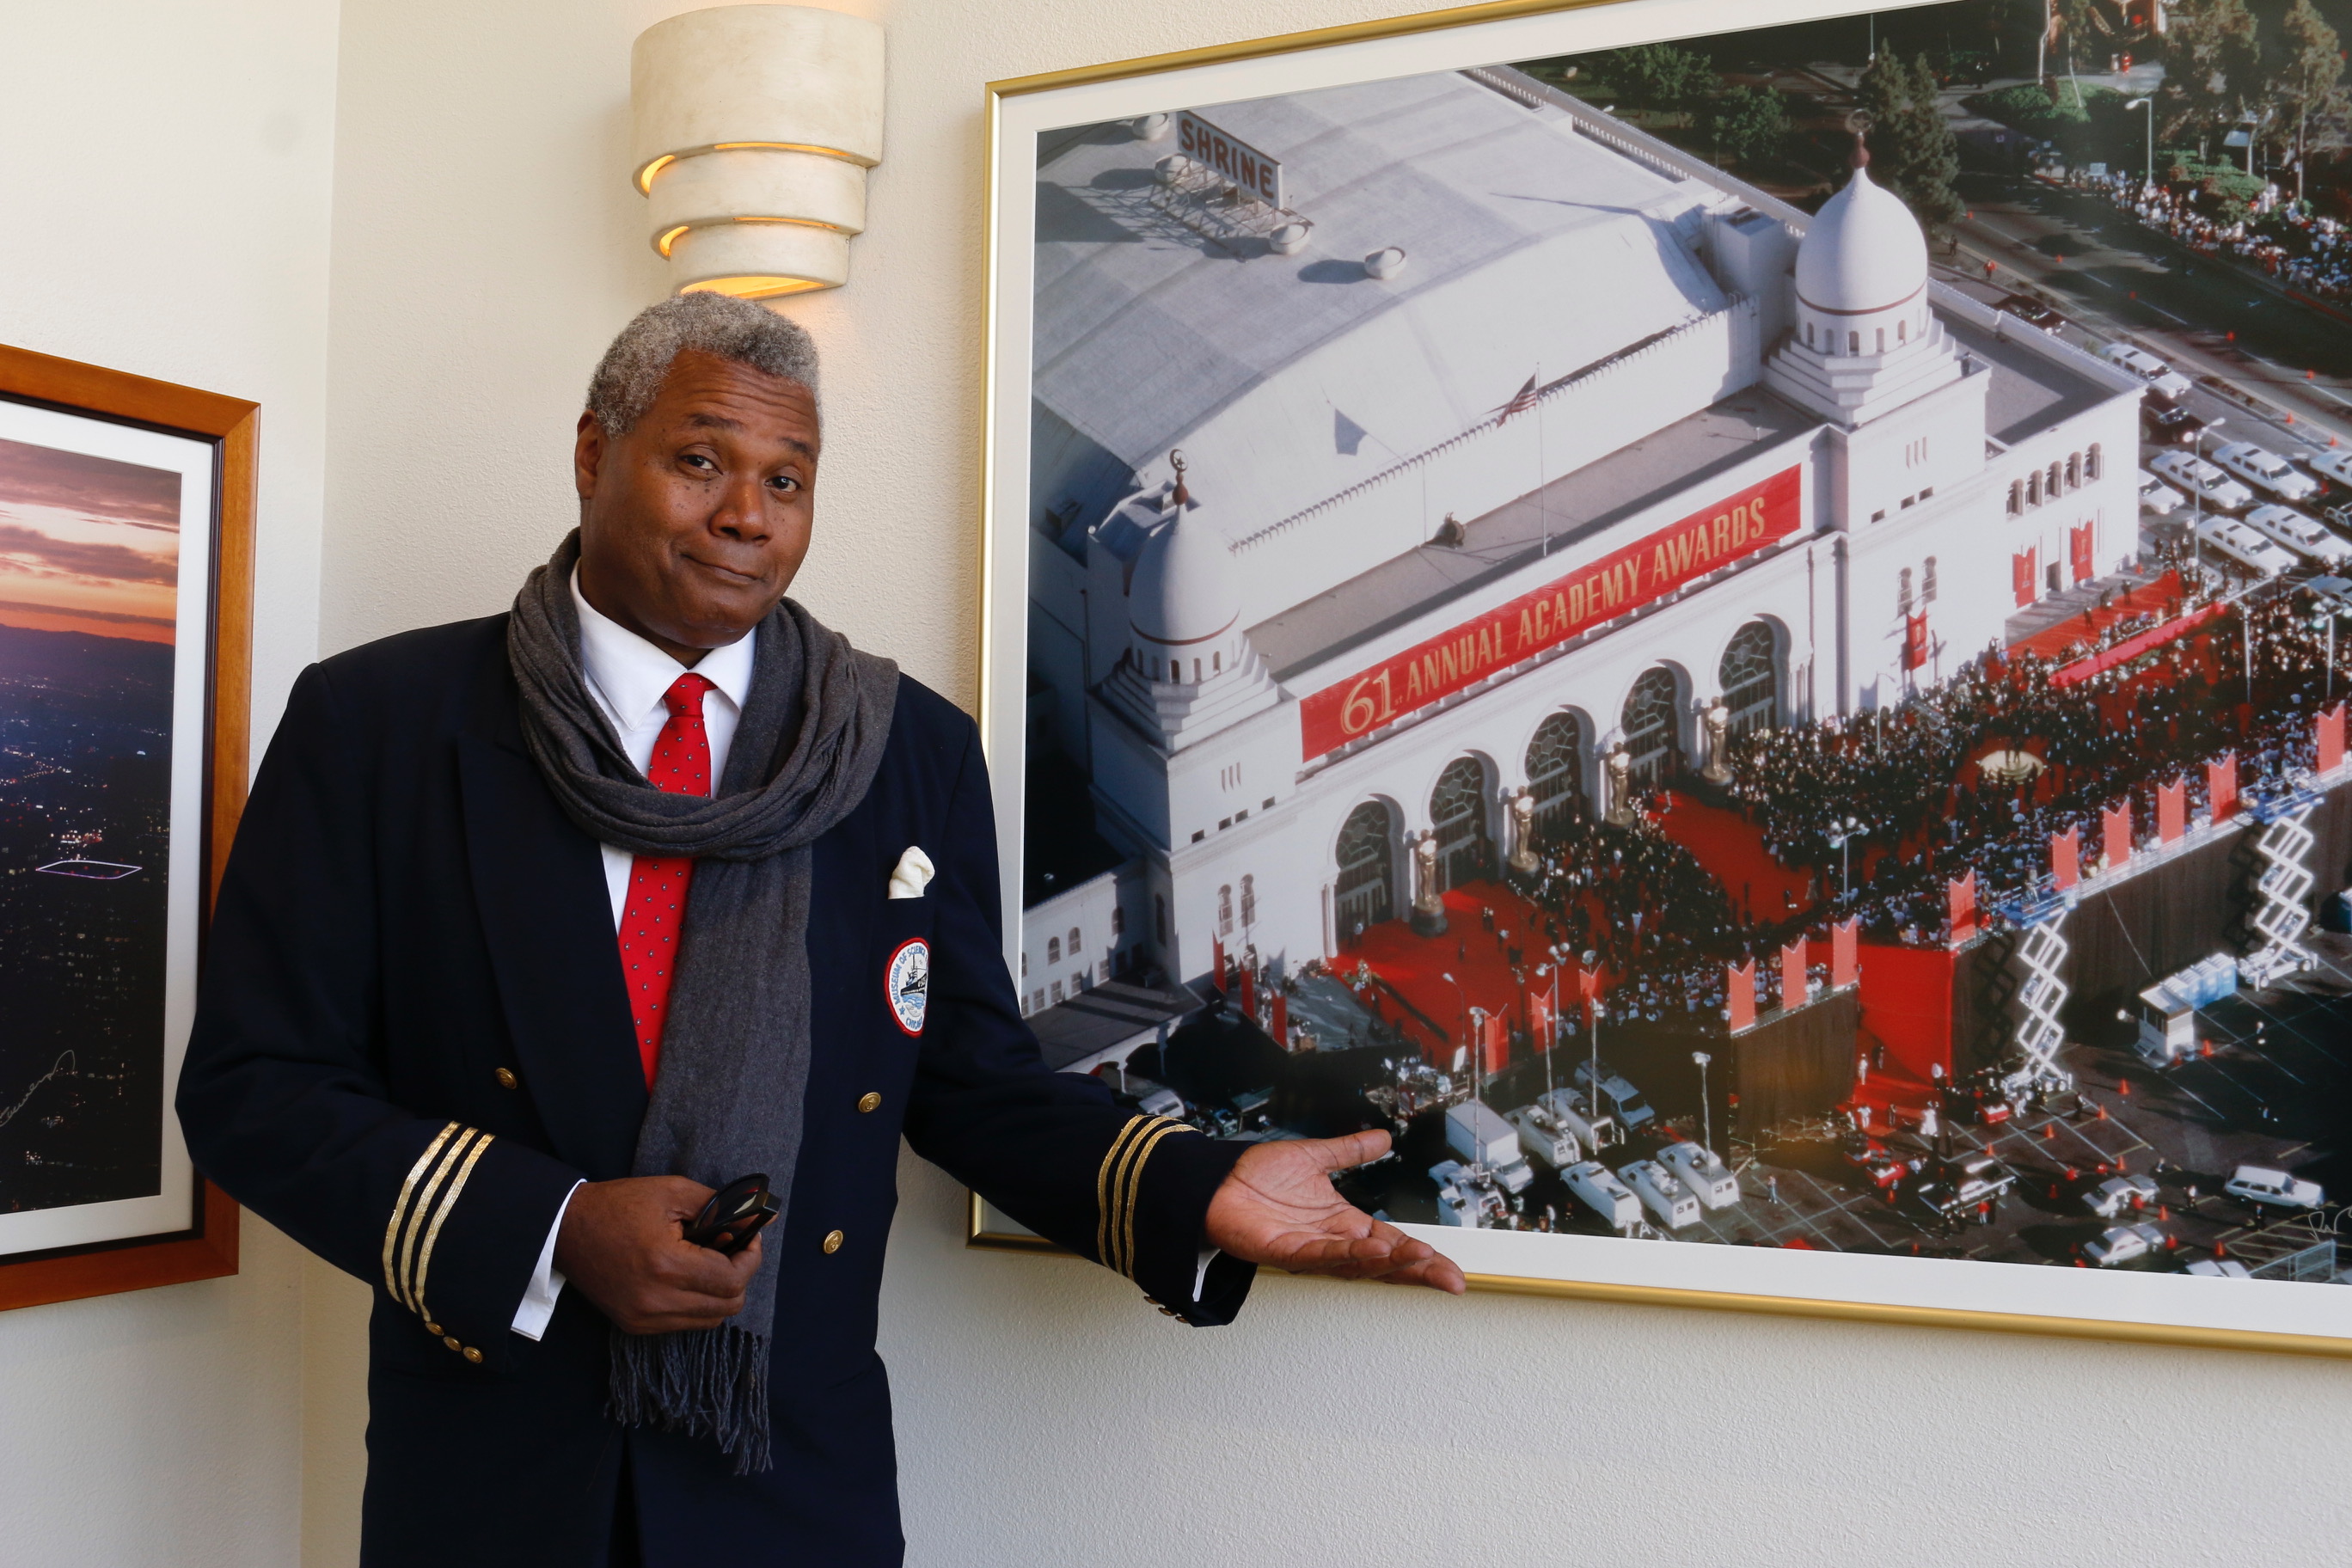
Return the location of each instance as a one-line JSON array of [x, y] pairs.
[[1278, 1207]]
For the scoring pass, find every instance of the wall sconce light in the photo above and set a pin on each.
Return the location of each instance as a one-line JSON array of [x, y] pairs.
[[754, 126]]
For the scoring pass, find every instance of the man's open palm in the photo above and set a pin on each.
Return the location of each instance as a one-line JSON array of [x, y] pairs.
[[1278, 1207]]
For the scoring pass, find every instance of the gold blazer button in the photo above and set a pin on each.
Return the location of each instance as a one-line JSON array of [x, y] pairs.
[[506, 1078], [451, 1341], [869, 1101], [434, 1329], [833, 1241], [473, 1355]]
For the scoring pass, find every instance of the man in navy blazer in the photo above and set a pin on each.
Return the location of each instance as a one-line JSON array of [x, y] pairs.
[[415, 1052]]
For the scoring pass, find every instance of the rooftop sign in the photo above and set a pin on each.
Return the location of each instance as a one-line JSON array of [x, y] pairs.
[[1593, 595], [1253, 174]]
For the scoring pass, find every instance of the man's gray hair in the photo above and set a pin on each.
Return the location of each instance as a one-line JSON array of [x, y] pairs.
[[630, 374]]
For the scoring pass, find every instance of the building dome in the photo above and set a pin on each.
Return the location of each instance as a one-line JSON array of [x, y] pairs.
[[1865, 252], [1184, 597]]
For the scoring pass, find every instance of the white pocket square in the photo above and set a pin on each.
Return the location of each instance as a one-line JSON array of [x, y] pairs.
[[914, 869]]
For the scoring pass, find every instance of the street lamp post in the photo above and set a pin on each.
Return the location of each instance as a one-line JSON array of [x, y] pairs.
[[2148, 103], [1841, 834], [1468, 1044], [1706, 1105]]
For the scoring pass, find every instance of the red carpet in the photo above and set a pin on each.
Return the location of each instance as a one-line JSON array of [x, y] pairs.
[[2053, 640], [1728, 846], [1416, 966]]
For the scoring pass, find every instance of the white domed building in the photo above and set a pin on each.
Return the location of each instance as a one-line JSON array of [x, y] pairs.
[[1693, 446]]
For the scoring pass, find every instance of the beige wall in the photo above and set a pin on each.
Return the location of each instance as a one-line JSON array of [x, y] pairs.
[[484, 246], [166, 190]]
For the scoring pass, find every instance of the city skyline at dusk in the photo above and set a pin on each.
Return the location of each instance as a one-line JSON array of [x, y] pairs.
[[88, 545]]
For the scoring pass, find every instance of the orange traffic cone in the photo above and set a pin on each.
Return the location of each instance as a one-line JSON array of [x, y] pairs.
[[2050, 1132], [2123, 1087], [2102, 1114]]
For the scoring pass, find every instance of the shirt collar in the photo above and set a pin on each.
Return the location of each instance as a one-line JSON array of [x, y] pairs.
[[629, 676]]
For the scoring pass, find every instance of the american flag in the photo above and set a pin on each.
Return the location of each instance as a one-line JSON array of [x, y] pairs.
[[1521, 401]]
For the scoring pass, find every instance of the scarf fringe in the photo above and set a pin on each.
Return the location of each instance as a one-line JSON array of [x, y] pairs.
[[710, 1382]]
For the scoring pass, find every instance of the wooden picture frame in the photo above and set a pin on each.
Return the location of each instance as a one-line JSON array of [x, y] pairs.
[[207, 807], [1206, 151]]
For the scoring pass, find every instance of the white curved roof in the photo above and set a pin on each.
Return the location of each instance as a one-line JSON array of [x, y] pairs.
[[1183, 589], [1862, 252], [1288, 378]]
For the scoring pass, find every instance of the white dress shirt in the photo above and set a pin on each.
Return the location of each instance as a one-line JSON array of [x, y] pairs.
[[628, 677]]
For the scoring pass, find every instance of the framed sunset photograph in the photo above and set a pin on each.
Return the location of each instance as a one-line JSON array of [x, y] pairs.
[[125, 539]]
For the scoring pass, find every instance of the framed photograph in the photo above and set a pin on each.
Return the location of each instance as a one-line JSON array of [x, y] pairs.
[[126, 539], [1725, 618]]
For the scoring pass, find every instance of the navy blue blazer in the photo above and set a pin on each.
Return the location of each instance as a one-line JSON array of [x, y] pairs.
[[412, 1039]]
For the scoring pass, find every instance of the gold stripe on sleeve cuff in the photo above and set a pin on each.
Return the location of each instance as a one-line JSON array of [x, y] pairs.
[[448, 1201], [1103, 1186], [415, 1236], [1135, 1189], [400, 1205]]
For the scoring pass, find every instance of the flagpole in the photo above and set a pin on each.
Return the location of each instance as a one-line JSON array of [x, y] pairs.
[[1543, 469]]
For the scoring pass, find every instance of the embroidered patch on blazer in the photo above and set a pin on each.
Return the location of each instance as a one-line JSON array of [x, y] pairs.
[[908, 983]]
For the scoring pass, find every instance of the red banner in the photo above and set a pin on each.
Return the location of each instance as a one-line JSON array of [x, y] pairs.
[[1962, 895], [2331, 738], [1740, 995], [1915, 641], [1539, 1021], [2020, 577], [2116, 833], [2171, 811], [2067, 858], [1594, 594], [2221, 787], [1496, 1037], [1845, 943], [1792, 975]]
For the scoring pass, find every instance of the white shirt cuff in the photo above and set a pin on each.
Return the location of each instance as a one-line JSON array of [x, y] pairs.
[[1200, 1274], [547, 1280]]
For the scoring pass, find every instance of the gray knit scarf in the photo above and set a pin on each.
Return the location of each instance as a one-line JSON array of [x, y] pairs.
[[735, 1050]]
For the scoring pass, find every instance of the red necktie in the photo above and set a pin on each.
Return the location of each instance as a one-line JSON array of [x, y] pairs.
[[657, 883]]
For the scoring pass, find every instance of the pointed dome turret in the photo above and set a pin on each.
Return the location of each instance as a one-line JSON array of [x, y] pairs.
[[1863, 253], [1188, 667]]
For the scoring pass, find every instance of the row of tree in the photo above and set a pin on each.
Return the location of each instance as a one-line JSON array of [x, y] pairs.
[[2221, 74]]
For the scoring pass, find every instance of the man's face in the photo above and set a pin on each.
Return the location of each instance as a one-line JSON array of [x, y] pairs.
[[693, 524]]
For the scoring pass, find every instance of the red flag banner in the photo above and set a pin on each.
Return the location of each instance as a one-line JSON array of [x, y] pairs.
[[1281, 1020], [2020, 577], [2082, 546], [2331, 738], [1593, 595], [1540, 1022], [2116, 835], [1792, 975], [1915, 641], [1217, 961], [1845, 942], [2171, 811], [1496, 1036], [1963, 897], [2221, 787], [1739, 994], [2067, 858]]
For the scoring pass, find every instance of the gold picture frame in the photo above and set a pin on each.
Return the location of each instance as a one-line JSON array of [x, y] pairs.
[[1016, 109]]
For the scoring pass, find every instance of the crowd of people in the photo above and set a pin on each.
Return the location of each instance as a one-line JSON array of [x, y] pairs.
[[2286, 240], [1930, 811]]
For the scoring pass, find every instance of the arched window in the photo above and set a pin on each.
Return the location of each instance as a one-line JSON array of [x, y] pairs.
[[1118, 923], [1854, 342], [1457, 809], [1361, 896], [1074, 939], [2016, 498], [1056, 991], [1249, 900], [1751, 678], [2075, 472], [1649, 725], [1903, 592], [1196, 672], [1555, 764], [1882, 339], [1903, 332], [2033, 488], [1809, 335], [1928, 582], [1052, 950], [2090, 462], [2050, 485], [1216, 663], [1225, 910]]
